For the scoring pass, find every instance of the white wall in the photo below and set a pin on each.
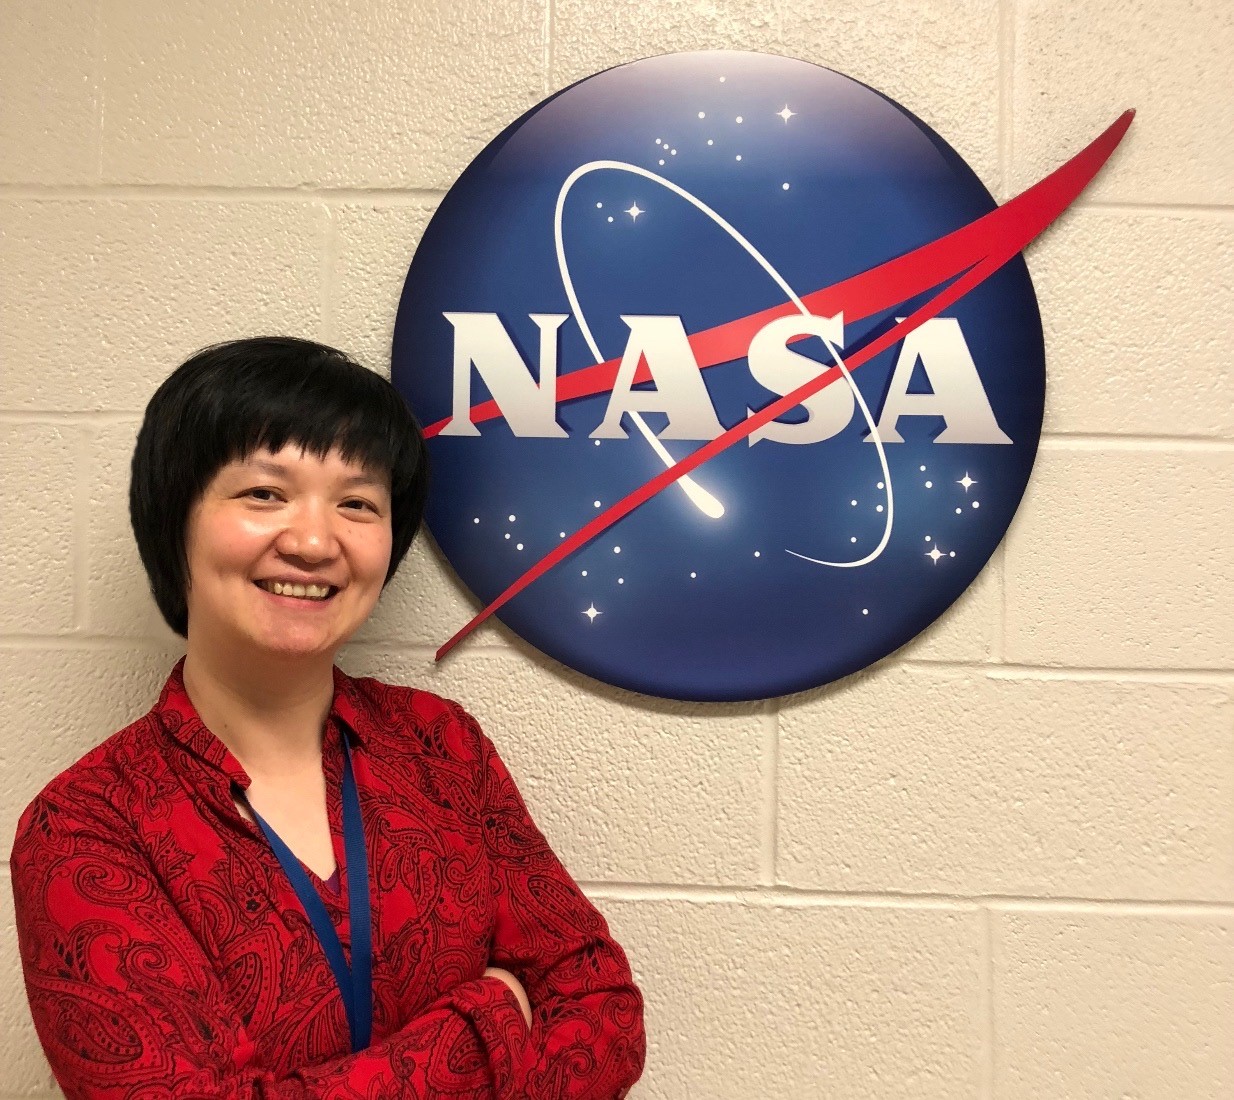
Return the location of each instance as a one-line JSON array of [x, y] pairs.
[[1001, 863]]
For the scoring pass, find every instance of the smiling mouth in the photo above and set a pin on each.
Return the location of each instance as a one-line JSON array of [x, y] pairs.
[[317, 592]]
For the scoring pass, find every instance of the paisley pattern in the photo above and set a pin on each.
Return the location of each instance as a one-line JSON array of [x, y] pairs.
[[166, 954]]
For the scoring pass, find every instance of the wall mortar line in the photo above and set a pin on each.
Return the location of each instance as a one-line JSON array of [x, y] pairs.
[[86, 643], [989, 1051], [781, 896], [769, 815], [66, 417], [1015, 671], [100, 89], [550, 30], [1107, 206], [83, 444], [1097, 441], [327, 323], [1006, 92], [174, 192], [999, 655]]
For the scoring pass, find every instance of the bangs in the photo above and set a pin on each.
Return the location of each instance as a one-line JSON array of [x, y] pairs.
[[320, 403], [318, 419]]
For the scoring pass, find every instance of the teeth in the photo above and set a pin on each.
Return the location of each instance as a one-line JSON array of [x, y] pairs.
[[300, 591]]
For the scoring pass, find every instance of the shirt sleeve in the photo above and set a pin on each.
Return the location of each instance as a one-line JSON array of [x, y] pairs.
[[126, 1003], [587, 1037]]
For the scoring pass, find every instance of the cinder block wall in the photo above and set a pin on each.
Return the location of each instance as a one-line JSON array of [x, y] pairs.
[[999, 864]]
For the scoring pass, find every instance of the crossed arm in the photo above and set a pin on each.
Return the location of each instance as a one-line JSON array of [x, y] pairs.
[[133, 1006]]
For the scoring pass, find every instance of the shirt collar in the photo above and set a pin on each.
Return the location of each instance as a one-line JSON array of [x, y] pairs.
[[349, 706], [177, 715]]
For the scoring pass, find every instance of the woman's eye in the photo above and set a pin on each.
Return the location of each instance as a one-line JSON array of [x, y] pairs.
[[360, 505], [262, 495]]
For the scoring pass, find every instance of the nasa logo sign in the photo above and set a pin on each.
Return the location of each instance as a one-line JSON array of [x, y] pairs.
[[732, 373]]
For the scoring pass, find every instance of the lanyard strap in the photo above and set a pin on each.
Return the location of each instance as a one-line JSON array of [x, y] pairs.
[[355, 983]]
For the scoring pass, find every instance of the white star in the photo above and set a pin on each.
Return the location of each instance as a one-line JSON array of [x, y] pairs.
[[591, 612], [935, 554], [634, 212], [786, 114], [966, 481]]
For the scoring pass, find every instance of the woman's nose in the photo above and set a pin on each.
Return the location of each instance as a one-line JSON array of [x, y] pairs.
[[309, 534]]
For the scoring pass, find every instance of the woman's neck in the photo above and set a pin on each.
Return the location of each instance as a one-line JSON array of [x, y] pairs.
[[270, 717]]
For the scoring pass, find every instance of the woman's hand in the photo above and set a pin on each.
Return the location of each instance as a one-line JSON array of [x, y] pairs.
[[516, 987]]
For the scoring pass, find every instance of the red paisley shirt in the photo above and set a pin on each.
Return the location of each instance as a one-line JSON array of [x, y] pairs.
[[166, 954]]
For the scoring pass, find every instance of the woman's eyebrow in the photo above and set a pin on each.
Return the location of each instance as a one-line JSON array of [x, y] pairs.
[[366, 479], [273, 468], [277, 469]]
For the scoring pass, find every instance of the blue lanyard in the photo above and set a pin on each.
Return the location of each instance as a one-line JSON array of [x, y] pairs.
[[354, 983]]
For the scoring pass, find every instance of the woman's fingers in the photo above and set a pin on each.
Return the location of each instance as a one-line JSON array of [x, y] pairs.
[[516, 987]]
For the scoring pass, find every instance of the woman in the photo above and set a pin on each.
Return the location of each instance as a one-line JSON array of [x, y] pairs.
[[283, 881]]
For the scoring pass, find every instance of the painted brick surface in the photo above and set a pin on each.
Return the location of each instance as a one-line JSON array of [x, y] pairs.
[[374, 245], [947, 782], [49, 93], [38, 479], [1127, 304], [1113, 1005], [1120, 558], [290, 93], [1078, 66], [113, 293], [752, 1000]]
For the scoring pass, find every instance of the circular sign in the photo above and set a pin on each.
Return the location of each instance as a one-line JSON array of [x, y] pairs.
[[642, 263]]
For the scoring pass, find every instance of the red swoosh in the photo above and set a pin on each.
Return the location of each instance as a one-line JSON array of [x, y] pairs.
[[973, 252]]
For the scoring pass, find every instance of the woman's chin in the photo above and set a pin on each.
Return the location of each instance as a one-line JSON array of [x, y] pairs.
[[287, 646], [272, 638]]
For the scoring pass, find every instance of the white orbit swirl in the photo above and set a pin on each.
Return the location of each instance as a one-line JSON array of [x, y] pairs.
[[568, 284]]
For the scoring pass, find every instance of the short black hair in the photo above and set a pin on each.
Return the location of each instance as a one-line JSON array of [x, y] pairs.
[[229, 400]]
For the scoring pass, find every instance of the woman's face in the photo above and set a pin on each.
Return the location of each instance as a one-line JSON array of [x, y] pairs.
[[287, 554]]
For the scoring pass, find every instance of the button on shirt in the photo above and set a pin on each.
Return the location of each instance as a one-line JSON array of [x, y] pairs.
[[166, 953]]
